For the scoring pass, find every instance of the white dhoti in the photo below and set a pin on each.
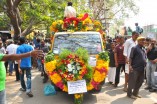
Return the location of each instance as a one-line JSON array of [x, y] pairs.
[[112, 74]]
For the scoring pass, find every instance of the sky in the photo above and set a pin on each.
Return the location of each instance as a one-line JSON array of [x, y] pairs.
[[147, 14]]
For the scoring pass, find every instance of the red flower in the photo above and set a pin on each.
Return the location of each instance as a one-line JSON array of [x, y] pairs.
[[70, 56], [103, 70], [95, 84], [60, 85]]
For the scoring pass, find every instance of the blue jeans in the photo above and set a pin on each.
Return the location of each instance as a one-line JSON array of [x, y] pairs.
[[11, 65], [150, 74], [2, 97], [39, 64], [26, 86]]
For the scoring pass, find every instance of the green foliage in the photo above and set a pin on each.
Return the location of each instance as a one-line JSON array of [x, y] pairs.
[[64, 53], [104, 56], [49, 57], [82, 53], [89, 75]]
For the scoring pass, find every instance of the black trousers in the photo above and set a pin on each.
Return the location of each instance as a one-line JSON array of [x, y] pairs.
[[43, 71], [6, 66], [118, 69], [17, 72], [136, 79]]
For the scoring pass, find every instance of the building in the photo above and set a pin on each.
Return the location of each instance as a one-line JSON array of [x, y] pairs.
[[150, 31]]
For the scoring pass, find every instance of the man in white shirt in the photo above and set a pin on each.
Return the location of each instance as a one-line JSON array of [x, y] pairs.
[[69, 11], [127, 50], [11, 50]]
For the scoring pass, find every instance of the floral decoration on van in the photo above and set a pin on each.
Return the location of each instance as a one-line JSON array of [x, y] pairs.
[[80, 23], [73, 66]]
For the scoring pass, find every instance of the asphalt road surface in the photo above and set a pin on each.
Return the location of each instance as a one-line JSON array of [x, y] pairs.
[[108, 94]]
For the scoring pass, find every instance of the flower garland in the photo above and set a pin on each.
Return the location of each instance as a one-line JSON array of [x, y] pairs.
[[73, 67], [80, 23]]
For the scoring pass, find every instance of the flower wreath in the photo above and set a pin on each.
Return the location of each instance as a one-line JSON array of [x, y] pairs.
[[74, 66]]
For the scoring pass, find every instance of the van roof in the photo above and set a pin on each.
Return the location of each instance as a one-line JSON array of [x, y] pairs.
[[87, 32]]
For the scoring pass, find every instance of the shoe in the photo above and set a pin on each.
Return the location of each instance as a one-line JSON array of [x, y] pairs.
[[42, 74], [125, 89], [115, 85], [109, 82], [147, 88], [30, 94], [138, 96], [132, 97], [22, 89], [45, 80], [10, 74], [152, 90]]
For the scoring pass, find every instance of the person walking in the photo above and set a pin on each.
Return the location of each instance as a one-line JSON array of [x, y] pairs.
[[151, 66], [5, 57], [10, 50], [16, 63], [127, 50], [24, 66], [112, 67], [119, 59], [136, 70]]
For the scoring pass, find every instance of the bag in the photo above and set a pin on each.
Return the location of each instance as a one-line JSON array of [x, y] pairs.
[[141, 30], [49, 90]]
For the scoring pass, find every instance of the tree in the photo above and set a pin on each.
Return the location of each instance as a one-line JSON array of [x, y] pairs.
[[26, 15], [112, 9]]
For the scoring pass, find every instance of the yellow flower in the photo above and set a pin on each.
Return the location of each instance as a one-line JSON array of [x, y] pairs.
[[87, 21], [77, 96], [54, 24], [65, 88], [60, 22], [55, 78], [89, 87], [80, 16], [98, 77], [50, 66]]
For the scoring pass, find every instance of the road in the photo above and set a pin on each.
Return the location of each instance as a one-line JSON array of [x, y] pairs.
[[108, 94]]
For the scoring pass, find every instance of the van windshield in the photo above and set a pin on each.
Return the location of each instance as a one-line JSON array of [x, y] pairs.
[[91, 42]]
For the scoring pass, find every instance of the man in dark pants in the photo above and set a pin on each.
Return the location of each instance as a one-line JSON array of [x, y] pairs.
[[136, 70], [119, 59]]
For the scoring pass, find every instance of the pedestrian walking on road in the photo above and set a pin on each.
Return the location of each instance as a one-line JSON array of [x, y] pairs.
[[4, 57], [136, 70], [10, 50], [127, 50], [119, 59], [151, 66], [24, 66]]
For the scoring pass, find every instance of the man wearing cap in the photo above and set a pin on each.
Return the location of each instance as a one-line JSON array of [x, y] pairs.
[[136, 71]]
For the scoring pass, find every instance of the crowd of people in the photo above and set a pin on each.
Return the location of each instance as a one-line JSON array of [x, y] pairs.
[[21, 56], [137, 57]]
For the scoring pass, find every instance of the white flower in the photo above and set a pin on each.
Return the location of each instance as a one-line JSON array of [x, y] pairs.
[[69, 67]]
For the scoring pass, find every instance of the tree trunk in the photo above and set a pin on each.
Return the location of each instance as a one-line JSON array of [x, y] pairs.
[[14, 15]]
